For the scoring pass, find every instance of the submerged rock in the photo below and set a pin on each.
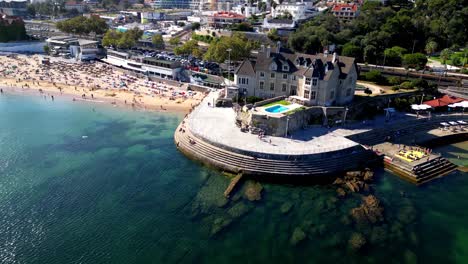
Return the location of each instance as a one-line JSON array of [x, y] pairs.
[[253, 191], [286, 207], [356, 241], [222, 202], [220, 224], [238, 210], [378, 235], [341, 192], [297, 236], [410, 257], [369, 211], [368, 175]]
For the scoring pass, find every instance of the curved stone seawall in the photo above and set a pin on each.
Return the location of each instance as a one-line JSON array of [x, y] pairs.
[[231, 161]]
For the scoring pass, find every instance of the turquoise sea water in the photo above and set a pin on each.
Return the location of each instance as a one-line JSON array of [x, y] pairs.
[[107, 185]]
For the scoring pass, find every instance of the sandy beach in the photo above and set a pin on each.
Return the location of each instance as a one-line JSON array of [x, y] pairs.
[[91, 82]]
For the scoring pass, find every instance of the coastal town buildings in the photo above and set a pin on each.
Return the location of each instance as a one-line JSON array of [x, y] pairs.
[[321, 79], [345, 11], [74, 5], [13, 7], [283, 26], [224, 19], [165, 69], [297, 10], [80, 49]]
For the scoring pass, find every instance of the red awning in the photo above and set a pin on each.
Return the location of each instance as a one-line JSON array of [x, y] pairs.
[[443, 101]]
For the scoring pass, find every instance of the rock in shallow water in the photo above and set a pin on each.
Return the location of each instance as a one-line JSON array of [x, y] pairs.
[[356, 241], [238, 210], [370, 211], [220, 224], [286, 207], [253, 191], [297, 236]]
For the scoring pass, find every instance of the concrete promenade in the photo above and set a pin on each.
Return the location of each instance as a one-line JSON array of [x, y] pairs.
[[217, 125]]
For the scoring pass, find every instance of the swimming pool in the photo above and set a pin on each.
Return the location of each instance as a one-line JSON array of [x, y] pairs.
[[277, 109]]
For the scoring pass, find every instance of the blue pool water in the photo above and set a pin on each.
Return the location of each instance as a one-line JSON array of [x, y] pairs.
[[277, 109]]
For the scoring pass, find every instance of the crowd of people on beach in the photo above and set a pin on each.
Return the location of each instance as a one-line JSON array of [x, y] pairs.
[[84, 78]]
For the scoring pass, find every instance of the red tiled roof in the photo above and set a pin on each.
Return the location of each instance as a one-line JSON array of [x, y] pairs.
[[228, 15], [72, 3], [443, 101], [339, 7]]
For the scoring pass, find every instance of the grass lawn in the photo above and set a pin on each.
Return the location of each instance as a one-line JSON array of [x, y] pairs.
[[282, 102], [449, 61]]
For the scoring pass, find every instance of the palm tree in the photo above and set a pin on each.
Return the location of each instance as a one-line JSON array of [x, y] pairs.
[[445, 55]]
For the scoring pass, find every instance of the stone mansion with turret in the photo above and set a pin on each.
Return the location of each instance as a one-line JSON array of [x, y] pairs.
[[321, 79]]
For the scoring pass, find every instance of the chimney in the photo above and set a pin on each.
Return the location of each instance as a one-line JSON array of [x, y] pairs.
[[268, 51], [262, 48], [335, 57], [278, 46]]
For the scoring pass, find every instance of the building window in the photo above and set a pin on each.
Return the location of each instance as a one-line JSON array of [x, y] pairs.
[[262, 84], [307, 81], [293, 90], [313, 95], [348, 92], [314, 81], [272, 75], [243, 81], [272, 86], [262, 74], [285, 76], [306, 94], [285, 68], [332, 94], [283, 87], [294, 77]]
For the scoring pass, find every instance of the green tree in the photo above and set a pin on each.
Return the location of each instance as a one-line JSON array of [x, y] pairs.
[[244, 26], [352, 50], [273, 35], [431, 47], [122, 40], [188, 48], [46, 49], [82, 26], [195, 26], [445, 54], [240, 48], [394, 55], [175, 41], [158, 41], [416, 61]]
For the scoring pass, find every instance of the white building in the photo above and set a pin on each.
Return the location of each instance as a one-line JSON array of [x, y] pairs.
[[80, 49], [298, 10], [164, 69], [283, 26], [245, 10]]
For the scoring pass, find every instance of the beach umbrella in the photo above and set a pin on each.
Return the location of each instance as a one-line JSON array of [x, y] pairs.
[[463, 104], [420, 107]]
